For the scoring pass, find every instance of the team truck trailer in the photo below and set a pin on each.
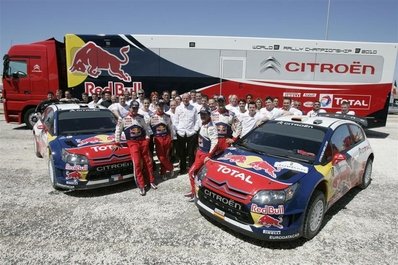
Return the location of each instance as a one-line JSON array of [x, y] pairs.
[[304, 70]]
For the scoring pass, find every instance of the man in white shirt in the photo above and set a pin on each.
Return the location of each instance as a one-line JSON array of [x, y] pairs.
[[187, 126], [269, 112], [233, 104], [250, 119], [241, 109], [287, 107], [172, 113], [316, 109], [121, 108], [345, 109]]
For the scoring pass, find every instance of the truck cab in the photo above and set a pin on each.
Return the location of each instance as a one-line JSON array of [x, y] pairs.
[[30, 71]]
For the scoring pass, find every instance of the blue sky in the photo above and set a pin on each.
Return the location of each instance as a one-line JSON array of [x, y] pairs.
[[25, 21]]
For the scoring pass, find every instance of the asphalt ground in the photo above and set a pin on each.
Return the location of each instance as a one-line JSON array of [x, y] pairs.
[[116, 225]]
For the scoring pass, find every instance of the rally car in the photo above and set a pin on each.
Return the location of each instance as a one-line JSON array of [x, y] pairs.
[[76, 140], [278, 181]]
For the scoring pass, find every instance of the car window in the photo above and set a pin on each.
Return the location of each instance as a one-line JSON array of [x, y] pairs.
[[48, 120], [357, 133], [287, 139], [341, 139], [86, 121]]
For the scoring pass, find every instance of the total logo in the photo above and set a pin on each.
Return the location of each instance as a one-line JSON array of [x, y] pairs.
[[326, 100]]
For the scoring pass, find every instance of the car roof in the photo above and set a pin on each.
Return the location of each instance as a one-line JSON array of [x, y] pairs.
[[70, 106], [325, 122]]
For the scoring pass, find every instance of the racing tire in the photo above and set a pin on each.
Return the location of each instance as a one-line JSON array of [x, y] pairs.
[[36, 147], [30, 118], [314, 215], [52, 173], [367, 174]]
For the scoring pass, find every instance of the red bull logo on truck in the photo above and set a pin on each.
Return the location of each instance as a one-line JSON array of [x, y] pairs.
[[92, 59]]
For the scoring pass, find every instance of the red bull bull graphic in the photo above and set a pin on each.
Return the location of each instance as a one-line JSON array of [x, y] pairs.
[[234, 158], [265, 166], [73, 175], [92, 59], [95, 140], [269, 221]]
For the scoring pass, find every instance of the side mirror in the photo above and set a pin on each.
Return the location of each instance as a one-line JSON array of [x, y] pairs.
[[337, 158], [18, 74]]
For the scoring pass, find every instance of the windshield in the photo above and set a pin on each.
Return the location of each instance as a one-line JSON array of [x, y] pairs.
[[86, 121], [285, 139]]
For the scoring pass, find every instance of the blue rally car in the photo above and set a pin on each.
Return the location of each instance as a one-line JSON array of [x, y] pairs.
[[278, 181], [76, 140]]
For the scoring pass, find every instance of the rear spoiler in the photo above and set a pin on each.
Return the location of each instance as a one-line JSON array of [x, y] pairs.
[[357, 119]]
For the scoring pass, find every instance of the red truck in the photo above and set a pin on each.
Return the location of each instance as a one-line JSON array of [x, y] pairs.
[[304, 70]]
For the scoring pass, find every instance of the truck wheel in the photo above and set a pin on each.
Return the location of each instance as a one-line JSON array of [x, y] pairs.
[[314, 215], [52, 173], [30, 118], [367, 174]]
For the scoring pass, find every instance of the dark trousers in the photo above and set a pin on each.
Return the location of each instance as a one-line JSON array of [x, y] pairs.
[[186, 147]]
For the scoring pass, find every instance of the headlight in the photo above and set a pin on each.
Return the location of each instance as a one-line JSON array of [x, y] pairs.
[[273, 197], [73, 158], [202, 173]]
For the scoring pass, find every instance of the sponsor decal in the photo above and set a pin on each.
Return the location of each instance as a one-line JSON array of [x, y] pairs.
[[309, 95], [234, 173], [308, 104], [295, 124], [76, 167], [101, 148], [269, 221], [219, 213], [116, 88], [267, 209], [291, 166], [265, 166], [326, 100], [92, 59], [355, 101], [233, 158], [271, 232], [114, 166], [270, 64], [222, 199], [71, 182], [285, 237], [73, 175], [36, 69], [354, 68], [96, 139], [291, 95]]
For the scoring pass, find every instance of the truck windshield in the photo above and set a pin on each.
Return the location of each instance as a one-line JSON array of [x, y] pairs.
[[85, 121], [285, 139]]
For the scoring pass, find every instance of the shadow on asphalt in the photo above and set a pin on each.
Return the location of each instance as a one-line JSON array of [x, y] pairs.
[[376, 135], [335, 209]]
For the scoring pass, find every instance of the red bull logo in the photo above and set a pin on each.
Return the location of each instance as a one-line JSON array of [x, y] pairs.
[[73, 175], [269, 221], [265, 166], [92, 59], [89, 140], [234, 158]]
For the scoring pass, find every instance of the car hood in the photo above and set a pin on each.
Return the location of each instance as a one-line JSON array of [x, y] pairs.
[[249, 172], [96, 147]]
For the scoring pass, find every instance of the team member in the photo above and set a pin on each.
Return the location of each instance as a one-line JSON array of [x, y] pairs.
[[186, 125], [162, 129], [270, 112], [107, 100], [250, 119], [68, 97], [229, 127], [45, 103], [242, 109], [85, 98], [316, 109], [172, 113], [137, 134], [345, 109], [207, 143], [121, 108], [288, 109], [95, 100]]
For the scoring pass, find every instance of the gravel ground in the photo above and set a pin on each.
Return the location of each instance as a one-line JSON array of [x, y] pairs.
[[115, 225]]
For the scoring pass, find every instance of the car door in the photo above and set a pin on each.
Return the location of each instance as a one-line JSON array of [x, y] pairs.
[[46, 128], [341, 143], [359, 154]]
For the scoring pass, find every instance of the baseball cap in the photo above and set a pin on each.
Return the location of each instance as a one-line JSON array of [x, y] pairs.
[[134, 104], [220, 99], [204, 110]]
